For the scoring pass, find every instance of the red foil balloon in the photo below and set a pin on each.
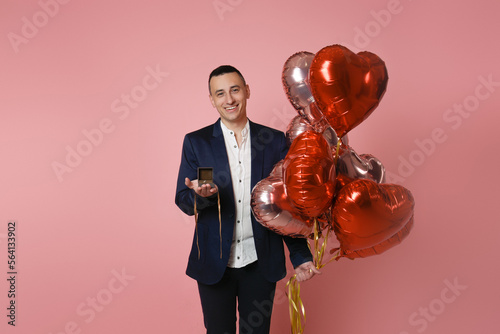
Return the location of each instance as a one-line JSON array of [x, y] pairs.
[[309, 174], [341, 181], [370, 218], [347, 87], [396, 239], [270, 215], [271, 208]]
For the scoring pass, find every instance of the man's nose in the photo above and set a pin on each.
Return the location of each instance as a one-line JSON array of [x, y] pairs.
[[229, 99]]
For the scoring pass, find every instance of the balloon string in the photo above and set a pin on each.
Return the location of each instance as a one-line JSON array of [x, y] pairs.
[[337, 152], [220, 224], [319, 251], [295, 306], [196, 225], [317, 258]]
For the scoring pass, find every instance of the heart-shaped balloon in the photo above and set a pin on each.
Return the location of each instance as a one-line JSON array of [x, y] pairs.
[[271, 208], [367, 214], [270, 215], [364, 166], [297, 126], [295, 78], [309, 174], [395, 240], [347, 87]]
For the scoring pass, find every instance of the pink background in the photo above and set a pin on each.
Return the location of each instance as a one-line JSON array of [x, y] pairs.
[[114, 212]]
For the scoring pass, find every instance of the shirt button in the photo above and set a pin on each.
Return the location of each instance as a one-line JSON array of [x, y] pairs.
[[231, 132], [240, 181], [238, 221], [239, 162], [234, 146], [239, 201], [238, 257], [238, 240]]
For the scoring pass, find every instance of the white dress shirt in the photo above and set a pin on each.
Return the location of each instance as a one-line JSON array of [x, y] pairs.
[[243, 250]]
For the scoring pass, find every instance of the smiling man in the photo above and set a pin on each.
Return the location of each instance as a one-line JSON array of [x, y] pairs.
[[230, 97], [234, 259]]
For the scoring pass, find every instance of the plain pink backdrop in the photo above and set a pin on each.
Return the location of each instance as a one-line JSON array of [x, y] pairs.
[[65, 68]]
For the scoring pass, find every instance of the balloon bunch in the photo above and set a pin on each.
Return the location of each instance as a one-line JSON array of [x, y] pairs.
[[323, 184], [333, 91]]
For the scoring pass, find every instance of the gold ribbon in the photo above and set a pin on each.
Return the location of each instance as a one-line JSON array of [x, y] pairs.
[[196, 224], [337, 152], [319, 251], [295, 306]]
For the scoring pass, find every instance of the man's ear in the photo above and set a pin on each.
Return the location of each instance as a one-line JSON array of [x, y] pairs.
[[247, 87]]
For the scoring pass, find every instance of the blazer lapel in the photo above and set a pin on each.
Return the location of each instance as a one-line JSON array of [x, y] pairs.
[[222, 172]]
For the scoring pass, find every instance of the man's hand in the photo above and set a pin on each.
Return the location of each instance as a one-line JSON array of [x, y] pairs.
[[205, 190], [306, 271]]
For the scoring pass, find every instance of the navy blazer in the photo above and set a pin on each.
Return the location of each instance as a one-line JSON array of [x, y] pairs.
[[206, 148]]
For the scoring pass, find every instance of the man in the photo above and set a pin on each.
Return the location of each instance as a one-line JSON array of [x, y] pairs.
[[235, 260]]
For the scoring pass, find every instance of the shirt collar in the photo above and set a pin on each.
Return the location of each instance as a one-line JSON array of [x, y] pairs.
[[244, 132]]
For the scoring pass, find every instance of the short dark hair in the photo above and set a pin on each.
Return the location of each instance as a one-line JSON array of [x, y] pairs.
[[224, 69]]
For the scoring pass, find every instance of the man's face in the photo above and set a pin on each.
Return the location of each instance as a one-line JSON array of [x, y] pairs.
[[229, 95]]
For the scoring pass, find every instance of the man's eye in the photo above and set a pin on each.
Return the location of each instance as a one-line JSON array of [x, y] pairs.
[[236, 90]]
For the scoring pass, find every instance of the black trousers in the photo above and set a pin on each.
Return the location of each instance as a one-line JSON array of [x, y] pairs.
[[245, 287]]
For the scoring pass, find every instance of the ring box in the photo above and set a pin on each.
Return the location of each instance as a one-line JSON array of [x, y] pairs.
[[205, 175]]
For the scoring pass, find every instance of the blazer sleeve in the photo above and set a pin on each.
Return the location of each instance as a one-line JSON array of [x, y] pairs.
[[299, 250], [184, 196]]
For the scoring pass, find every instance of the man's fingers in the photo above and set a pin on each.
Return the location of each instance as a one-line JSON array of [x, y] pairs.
[[192, 184], [315, 270], [204, 190], [307, 271]]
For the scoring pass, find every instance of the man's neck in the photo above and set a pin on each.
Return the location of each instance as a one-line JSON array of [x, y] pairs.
[[236, 127]]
